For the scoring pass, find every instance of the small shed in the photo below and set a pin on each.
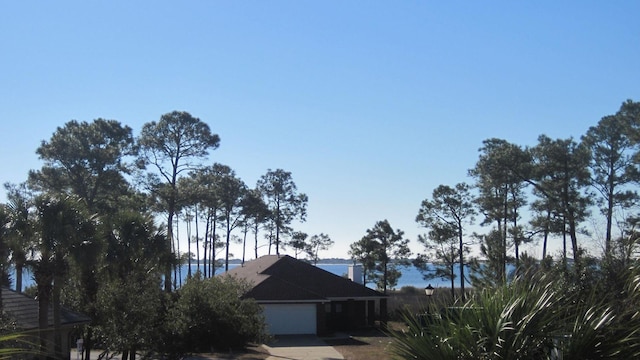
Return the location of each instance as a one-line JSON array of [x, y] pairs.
[[24, 311], [300, 298]]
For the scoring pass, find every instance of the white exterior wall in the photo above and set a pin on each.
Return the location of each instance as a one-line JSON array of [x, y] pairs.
[[355, 274]]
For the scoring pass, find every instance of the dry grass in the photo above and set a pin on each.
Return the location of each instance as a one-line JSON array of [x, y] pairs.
[[365, 345], [368, 344]]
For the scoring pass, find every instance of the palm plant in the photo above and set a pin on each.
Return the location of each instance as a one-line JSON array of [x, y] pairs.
[[60, 225], [534, 317], [5, 220], [17, 345], [21, 235], [129, 300]]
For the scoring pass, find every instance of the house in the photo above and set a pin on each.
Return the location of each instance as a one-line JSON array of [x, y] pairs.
[[299, 298], [24, 311]]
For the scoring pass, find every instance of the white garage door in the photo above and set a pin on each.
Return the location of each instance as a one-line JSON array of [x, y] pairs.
[[290, 318]]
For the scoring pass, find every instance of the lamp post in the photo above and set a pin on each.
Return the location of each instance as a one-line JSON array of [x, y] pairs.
[[425, 318], [429, 290]]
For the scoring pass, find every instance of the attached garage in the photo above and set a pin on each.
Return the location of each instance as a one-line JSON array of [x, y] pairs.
[[287, 319], [300, 298]]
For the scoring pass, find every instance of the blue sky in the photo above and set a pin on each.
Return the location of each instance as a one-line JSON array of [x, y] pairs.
[[370, 104]]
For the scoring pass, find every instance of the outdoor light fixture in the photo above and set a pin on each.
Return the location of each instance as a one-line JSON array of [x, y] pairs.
[[429, 290]]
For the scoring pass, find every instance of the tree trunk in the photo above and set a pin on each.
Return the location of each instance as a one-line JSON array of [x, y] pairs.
[[505, 216], [607, 240], [212, 246], [384, 278], [188, 247], [19, 269], [255, 237], [57, 320], [278, 238], [87, 345], [167, 273], [546, 236], [197, 241], [453, 286], [205, 246], [43, 283], [177, 270], [226, 258], [244, 242], [461, 260], [564, 243]]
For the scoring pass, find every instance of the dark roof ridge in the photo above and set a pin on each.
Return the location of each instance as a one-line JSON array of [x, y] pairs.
[[24, 310], [284, 277]]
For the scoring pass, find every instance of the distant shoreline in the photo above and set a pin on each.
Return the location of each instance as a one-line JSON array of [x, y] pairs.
[[327, 261]]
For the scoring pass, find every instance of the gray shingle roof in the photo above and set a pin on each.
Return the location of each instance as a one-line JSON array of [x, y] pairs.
[[24, 310], [283, 278]]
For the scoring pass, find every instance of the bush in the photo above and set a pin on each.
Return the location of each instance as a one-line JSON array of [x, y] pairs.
[[130, 314], [531, 318], [211, 314]]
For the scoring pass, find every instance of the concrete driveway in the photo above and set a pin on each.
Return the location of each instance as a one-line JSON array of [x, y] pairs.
[[301, 347]]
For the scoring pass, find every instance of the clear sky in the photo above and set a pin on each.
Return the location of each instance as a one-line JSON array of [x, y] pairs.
[[369, 104]]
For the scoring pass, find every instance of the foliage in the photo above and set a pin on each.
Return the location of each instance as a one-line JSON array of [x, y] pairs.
[[5, 230], [171, 146], [134, 245], [316, 244], [442, 242], [500, 175], [612, 168], [256, 213], [211, 313], [21, 235], [61, 228], [284, 202], [447, 213], [381, 251], [131, 313], [298, 242], [536, 316], [561, 177], [87, 160], [85, 166], [15, 344], [363, 251], [231, 191], [203, 191], [492, 271]]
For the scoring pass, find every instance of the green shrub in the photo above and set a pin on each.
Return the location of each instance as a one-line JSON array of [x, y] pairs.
[[130, 314], [210, 314], [534, 317]]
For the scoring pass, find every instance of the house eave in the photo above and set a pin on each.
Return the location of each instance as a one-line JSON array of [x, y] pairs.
[[322, 301], [359, 298], [315, 301]]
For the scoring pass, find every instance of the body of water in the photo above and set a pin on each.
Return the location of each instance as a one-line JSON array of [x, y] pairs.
[[410, 276]]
